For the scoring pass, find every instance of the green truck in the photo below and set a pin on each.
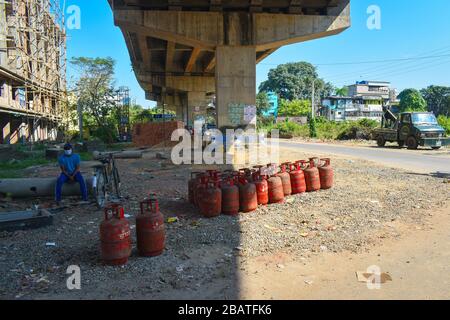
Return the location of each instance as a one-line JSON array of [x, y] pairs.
[[412, 129]]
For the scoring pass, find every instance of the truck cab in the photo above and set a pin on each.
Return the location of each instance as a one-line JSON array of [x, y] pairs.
[[411, 128]]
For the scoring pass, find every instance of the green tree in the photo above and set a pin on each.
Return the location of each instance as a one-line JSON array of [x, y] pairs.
[[445, 123], [94, 91], [295, 108], [262, 103], [342, 92], [438, 99], [293, 81], [412, 100]]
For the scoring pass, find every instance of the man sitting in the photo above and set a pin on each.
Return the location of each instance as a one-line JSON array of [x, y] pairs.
[[70, 171]]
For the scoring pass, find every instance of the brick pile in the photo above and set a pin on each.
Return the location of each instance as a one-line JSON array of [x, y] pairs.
[[154, 133]]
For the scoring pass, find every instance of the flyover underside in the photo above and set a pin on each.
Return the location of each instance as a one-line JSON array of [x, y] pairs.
[[182, 49]]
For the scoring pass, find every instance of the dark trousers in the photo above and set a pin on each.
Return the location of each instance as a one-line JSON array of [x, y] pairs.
[[63, 179]]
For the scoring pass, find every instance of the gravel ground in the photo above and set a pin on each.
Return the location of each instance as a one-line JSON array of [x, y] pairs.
[[203, 256]]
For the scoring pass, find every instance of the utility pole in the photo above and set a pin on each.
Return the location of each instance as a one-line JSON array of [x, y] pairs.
[[313, 100]]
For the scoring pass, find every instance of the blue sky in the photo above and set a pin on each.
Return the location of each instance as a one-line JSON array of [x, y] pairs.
[[417, 31]]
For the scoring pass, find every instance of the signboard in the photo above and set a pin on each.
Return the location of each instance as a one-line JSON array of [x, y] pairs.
[[163, 116]]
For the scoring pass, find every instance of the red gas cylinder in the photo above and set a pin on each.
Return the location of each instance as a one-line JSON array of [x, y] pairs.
[[210, 199], [262, 188], [285, 179], [298, 182], [312, 177], [246, 173], [201, 183], [115, 236], [150, 229], [191, 186], [248, 199], [276, 192], [230, 197], [326, 174]]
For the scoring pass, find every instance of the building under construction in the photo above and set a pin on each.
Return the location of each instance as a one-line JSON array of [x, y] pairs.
[[32, 70]]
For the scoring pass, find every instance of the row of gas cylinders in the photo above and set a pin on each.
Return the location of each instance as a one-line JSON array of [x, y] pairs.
[[231, 192], [115, 233]]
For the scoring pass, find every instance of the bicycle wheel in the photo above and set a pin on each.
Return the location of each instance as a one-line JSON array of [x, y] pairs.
[[116, 181], [99, 186]]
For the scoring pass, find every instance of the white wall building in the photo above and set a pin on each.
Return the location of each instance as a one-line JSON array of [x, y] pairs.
[[365, 99]]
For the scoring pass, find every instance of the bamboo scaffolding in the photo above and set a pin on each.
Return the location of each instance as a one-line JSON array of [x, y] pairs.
[[36, 51]]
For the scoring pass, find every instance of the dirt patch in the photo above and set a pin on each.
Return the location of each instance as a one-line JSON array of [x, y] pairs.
[[203, 256]]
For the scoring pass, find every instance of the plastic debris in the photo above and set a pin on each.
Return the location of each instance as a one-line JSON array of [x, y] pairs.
[[172, 220]]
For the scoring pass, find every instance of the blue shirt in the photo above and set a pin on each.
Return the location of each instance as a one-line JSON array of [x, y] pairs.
[[70, 163]]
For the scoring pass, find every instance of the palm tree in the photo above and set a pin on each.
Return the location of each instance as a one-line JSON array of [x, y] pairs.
[[342, 92]]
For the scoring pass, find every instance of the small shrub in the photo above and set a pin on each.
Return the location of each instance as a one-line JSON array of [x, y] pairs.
[[444, 122], [361, 130], [312, 128]]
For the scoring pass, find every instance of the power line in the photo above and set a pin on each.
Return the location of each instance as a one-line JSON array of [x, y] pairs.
[[389, 68], [370, 62], [391, 64]]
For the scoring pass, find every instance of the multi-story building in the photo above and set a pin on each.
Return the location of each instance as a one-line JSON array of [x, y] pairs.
[[365, 99], [32, 70], [273, 101]]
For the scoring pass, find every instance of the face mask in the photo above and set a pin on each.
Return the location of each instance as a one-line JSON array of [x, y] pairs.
[[68, 152]]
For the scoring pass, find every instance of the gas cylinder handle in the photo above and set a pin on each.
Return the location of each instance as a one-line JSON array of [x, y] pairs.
[[204, 180], [229, 182], [301, 164], [112, 211], [152, 205], [326, 162]]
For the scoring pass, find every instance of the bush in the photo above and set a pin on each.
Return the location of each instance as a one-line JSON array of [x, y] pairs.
[[361, 129], [312, 128], [107, 134], [289, 128], [324, 129], [444, 122]]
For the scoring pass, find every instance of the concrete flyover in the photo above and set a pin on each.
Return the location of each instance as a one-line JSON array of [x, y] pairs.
[[184, 51]]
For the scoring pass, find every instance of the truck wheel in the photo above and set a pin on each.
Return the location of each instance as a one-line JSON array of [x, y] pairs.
[[381, 142], [412, 143], [401, 144]]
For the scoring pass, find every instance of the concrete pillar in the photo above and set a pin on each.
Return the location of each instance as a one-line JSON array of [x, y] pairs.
[[179, 112], [196, 105], [235, 84], [6, 130]]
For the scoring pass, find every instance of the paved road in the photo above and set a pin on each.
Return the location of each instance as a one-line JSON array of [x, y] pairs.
[[420, 161]]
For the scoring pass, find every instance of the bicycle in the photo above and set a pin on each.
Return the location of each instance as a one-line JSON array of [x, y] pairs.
[[106, 181]]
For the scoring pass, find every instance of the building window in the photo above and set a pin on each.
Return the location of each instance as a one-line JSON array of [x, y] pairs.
[[2, 87]]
